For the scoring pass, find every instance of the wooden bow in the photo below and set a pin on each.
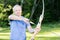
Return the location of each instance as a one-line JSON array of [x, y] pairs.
[[38, 27]]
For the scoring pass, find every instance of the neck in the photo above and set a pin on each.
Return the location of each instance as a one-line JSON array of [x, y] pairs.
[[17, 15]]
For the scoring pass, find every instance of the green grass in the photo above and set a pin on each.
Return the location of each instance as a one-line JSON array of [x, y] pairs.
[[4, 30], [50, 31], [46, 38], [40, 38]]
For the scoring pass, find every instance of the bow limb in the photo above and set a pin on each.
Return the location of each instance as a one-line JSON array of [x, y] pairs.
[[38, 27], [41, 18]]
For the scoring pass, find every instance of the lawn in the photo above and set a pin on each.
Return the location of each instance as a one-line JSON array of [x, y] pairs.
[[50, 31]]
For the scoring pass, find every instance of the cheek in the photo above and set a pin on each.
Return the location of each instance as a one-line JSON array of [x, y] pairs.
[[20, 11], [17, 12]]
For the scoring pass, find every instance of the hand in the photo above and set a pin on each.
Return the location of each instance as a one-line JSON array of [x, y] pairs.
[[37, 29], [32, 38]]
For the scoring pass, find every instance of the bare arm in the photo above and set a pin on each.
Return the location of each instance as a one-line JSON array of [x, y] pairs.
[[36, 30], [14, 17], [38, 27], [30, 29]]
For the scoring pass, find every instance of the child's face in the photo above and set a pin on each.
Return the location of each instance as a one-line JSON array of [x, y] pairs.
[[17, 11]]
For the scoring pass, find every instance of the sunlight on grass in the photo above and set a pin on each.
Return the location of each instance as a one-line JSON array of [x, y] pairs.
[[1, 28], [48, 32]]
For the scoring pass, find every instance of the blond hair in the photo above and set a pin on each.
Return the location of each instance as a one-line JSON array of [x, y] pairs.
[[16, 7]]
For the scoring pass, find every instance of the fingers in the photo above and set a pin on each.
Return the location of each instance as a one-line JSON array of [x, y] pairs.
[[37, 29], [32, 38]]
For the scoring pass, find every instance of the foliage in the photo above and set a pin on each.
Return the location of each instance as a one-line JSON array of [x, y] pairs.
[[4, 15], [52, 10]]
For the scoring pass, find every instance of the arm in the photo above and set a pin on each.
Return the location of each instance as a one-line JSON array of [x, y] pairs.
[[14, 17], [30, 29], [37, 29]]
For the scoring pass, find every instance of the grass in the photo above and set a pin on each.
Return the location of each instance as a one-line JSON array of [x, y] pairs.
[[50, 31]]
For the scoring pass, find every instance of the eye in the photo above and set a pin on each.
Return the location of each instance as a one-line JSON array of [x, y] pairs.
[[19, 10], [16, 10]]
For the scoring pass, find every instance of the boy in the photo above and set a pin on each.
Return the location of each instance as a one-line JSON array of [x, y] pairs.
[[18, 24]]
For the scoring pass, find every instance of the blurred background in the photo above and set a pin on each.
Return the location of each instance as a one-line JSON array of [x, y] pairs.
[[50, 25]]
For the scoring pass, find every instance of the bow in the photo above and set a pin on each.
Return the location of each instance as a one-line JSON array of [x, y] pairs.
[[22, 1], [38, 27]]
